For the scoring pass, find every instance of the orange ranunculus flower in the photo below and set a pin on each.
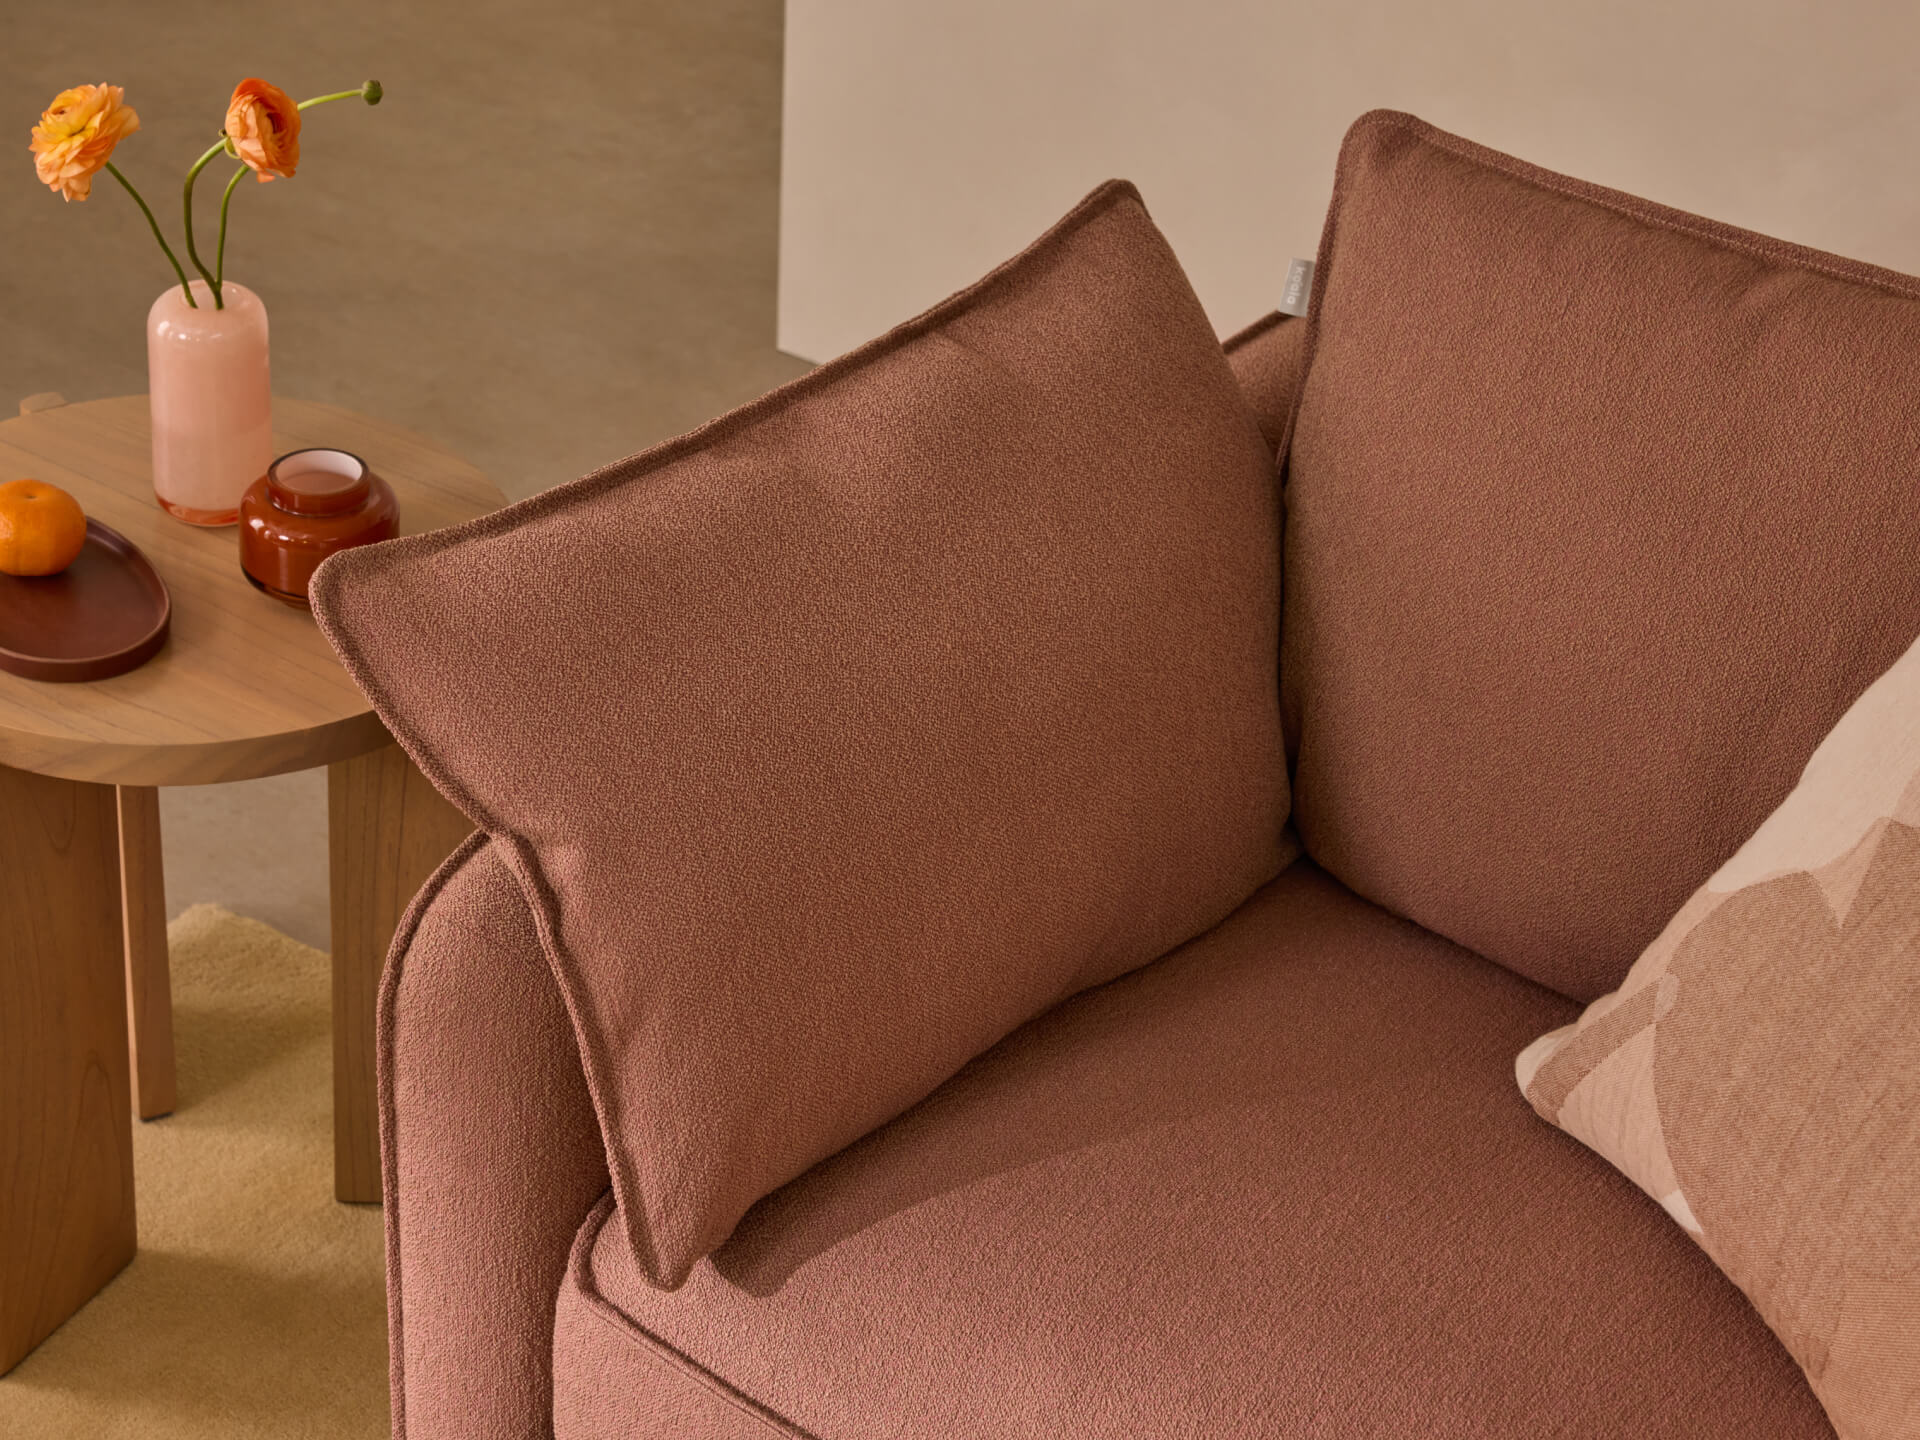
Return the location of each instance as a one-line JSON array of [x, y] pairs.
[[263, 129], [77, 133]]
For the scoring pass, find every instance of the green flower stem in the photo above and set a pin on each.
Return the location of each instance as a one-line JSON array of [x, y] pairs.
[[369, 92], [165, 248], [359, 94], [220, 251], [187, 206]]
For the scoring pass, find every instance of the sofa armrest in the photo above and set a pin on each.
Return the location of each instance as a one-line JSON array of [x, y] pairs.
[[1269, 360], [490, 1153]]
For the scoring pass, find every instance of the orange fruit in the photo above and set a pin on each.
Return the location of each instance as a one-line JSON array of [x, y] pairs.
[[42, 528]]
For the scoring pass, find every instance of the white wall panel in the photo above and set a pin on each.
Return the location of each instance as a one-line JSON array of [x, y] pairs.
[[927, 140]]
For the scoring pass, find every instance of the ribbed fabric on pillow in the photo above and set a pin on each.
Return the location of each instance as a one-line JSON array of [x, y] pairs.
[[1599, 515], [1759, 1072], [835, 740]]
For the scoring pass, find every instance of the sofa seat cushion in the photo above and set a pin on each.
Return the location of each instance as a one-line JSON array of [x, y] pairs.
[[1276, 1184]]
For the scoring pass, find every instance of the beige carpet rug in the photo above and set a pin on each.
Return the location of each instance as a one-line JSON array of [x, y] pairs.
[[256, 1306]]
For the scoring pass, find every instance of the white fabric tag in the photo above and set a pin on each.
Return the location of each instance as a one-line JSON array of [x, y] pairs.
[[1299, 288]]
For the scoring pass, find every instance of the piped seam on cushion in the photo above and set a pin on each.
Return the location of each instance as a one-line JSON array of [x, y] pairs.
[[515, 850], [545, 909], [1247, 334], [580, 1270], [389, 1129], [1647, 212], [1237, 342], [386, 1013], [630, 467]]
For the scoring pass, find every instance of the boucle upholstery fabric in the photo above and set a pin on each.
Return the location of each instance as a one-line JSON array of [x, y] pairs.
[[1274, 1185], [1759, 1072], [1269, 359], [1599, 515], [490, 1156], [835, 740], [621, 1384]]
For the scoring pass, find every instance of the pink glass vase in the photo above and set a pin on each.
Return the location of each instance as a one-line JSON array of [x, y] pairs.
[[211, 400]]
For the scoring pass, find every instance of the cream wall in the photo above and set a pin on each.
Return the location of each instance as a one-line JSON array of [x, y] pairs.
[[926, 140]]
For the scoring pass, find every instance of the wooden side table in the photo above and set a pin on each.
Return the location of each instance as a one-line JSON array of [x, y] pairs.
[[245, 687]]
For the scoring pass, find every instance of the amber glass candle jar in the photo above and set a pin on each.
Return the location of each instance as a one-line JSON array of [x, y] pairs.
[[309, 504]]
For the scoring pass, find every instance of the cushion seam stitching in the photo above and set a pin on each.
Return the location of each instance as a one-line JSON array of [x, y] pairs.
[[389, 1126], [635, 1334], [1759, 246]]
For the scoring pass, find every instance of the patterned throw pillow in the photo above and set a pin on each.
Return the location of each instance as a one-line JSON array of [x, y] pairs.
[[1759, 1072]]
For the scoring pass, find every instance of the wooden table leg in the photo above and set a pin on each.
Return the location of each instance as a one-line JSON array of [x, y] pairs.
[[66, 1118], [388, 829], [143, 892]]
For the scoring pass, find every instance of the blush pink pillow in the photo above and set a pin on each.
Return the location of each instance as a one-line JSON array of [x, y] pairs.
[[1758, 1072], [835, 740]]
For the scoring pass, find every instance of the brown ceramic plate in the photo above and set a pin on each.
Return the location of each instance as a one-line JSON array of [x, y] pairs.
[[103, 615]]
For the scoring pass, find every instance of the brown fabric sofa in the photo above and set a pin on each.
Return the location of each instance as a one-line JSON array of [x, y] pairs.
[[1280, 1182]]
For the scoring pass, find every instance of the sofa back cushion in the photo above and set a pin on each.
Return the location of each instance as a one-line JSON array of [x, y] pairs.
[[835, 740], [1269, 360], [1599, 515]]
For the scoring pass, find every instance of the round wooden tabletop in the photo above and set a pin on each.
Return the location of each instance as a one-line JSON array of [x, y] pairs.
[[245, 685]]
